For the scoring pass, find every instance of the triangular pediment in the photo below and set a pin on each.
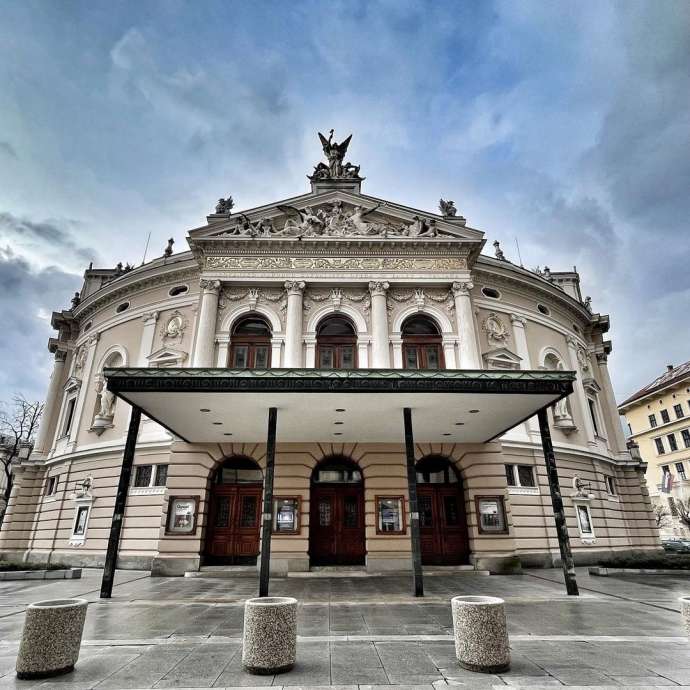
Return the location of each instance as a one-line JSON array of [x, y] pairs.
[[167, 355], [335, 214], [501, 358]]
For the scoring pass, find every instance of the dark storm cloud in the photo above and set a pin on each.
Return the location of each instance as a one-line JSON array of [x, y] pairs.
[[27, 298], [46, 238]]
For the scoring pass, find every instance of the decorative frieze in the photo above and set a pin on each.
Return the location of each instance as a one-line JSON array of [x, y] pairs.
[[303, 263]]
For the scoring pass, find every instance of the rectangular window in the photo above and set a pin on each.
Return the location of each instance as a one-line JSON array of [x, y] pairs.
[[678, 409], [686, 437], [69, 416], [611, 485], [659, 446], [80, 521], [665, 469], [286, 515], [665, 417], [652, 420], [593, 415], [680, 468], [520, 475], [491, 515], [51, 488], [390, 515], [584, 520], [672, 442], [142, 475], [161, 475]]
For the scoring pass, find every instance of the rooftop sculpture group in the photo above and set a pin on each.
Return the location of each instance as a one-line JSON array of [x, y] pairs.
[[335, 154]]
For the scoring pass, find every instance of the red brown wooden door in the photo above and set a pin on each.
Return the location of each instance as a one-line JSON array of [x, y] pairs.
[[336, 525], [234, 520], [442, 525]]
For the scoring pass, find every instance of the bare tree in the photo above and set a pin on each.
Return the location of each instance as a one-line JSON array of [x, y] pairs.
[[683, 507], [661, 515], [18, 427]]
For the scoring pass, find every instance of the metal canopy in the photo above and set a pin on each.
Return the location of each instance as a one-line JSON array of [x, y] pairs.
[[358, 405]]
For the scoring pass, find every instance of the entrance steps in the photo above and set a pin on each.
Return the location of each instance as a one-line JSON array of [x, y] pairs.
[[230, 572], [224, 571]]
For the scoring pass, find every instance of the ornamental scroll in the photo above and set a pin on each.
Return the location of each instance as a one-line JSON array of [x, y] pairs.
[[334, 263]]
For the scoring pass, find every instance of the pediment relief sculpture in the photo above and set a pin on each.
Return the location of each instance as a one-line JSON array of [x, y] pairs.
[[496, 331], [334, 220]]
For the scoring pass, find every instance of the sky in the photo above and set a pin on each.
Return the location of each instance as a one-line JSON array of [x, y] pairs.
[[563, 125]]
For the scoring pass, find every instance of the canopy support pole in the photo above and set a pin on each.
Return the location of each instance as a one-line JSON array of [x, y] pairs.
[[267, 513], [417, 575], [120, 503], [557, 502]]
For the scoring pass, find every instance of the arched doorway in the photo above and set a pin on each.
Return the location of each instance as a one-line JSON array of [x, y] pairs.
[[336, 344], [442, 519], [250, 343], [232, 535], [422, 343], [336, 520]]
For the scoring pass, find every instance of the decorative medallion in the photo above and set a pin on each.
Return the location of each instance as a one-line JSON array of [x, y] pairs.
[[496, 331]]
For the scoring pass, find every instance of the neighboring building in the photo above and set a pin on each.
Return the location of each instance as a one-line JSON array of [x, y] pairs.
[[658, 417], [330, 279]]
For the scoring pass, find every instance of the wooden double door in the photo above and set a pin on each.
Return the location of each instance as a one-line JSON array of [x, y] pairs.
[[442, 524], [234, 521], [336, 525]]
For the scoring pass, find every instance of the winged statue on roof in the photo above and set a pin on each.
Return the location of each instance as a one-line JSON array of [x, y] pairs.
[[335, 153]]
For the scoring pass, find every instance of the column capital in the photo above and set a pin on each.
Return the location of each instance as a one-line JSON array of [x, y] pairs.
[[295, 287], [461, 289], [378, 287], [149, 317], [209, 285], [60, 355], [518, 320], [602, 358]]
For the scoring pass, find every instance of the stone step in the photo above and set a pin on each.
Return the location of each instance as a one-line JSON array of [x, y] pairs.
[[224, 571]]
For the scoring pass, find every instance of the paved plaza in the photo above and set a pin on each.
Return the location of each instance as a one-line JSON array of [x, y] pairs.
[[364, 631]]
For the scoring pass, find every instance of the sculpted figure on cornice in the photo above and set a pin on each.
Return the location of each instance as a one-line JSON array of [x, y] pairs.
[[333, 220]]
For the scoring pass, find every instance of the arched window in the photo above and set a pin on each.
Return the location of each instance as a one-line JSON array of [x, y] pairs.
[[421, 343], [250, 344], [238, 470], [436, 469], [336, 344]]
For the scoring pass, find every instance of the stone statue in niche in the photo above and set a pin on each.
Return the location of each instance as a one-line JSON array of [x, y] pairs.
[[105, 407], [495, 329]]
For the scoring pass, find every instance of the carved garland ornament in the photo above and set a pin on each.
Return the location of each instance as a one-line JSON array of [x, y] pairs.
[[334, 263]]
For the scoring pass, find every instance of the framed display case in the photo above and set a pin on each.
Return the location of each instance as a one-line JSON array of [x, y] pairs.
[[182, 515], [390, 515], [286, 514], [491, 515]]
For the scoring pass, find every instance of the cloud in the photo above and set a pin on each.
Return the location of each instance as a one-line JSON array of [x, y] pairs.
[[27, 296], [46, 242], [7, 149]]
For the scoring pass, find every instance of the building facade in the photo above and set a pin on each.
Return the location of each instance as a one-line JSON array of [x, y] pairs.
[[658, 417], [331, 279]]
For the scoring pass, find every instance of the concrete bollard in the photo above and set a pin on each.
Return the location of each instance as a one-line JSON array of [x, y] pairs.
[[51, 638], [269, 641], [685, 612], [481, 635]]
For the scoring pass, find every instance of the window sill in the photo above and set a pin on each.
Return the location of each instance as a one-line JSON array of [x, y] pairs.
[[50, 498], [77, 540], [147, 490], [612, 498], [588, 541], [523, 490]]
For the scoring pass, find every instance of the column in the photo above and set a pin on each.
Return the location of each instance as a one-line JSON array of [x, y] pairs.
[[148, 332], [293, 327], [206, 329], [469, 352], [609, 399], [522, 351], [557, 503], [223, 349], [380, 348], [87, 378], [397, 352], [417, 572], [580, 391], [267, 514], [43, 438], [449, 353]]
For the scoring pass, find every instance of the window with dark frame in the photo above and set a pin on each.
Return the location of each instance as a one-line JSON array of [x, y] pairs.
[[659, 446], [685, 434], [250, 344], [680, 468], [142, 475], [665, 418], [520, 476], [69, 416], [665, 469], [161, 475], [652, 420], [678, 409], [611, 485], [672, 444], [52, 486], [584, 519], [336, 344], [422, 343], [593, 415]]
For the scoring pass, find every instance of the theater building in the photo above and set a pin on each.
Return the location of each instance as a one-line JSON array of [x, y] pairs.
[[339, 311]]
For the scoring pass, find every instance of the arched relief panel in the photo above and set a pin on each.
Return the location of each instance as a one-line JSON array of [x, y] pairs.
[[442, 319], [228, 321], [322, 312]]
